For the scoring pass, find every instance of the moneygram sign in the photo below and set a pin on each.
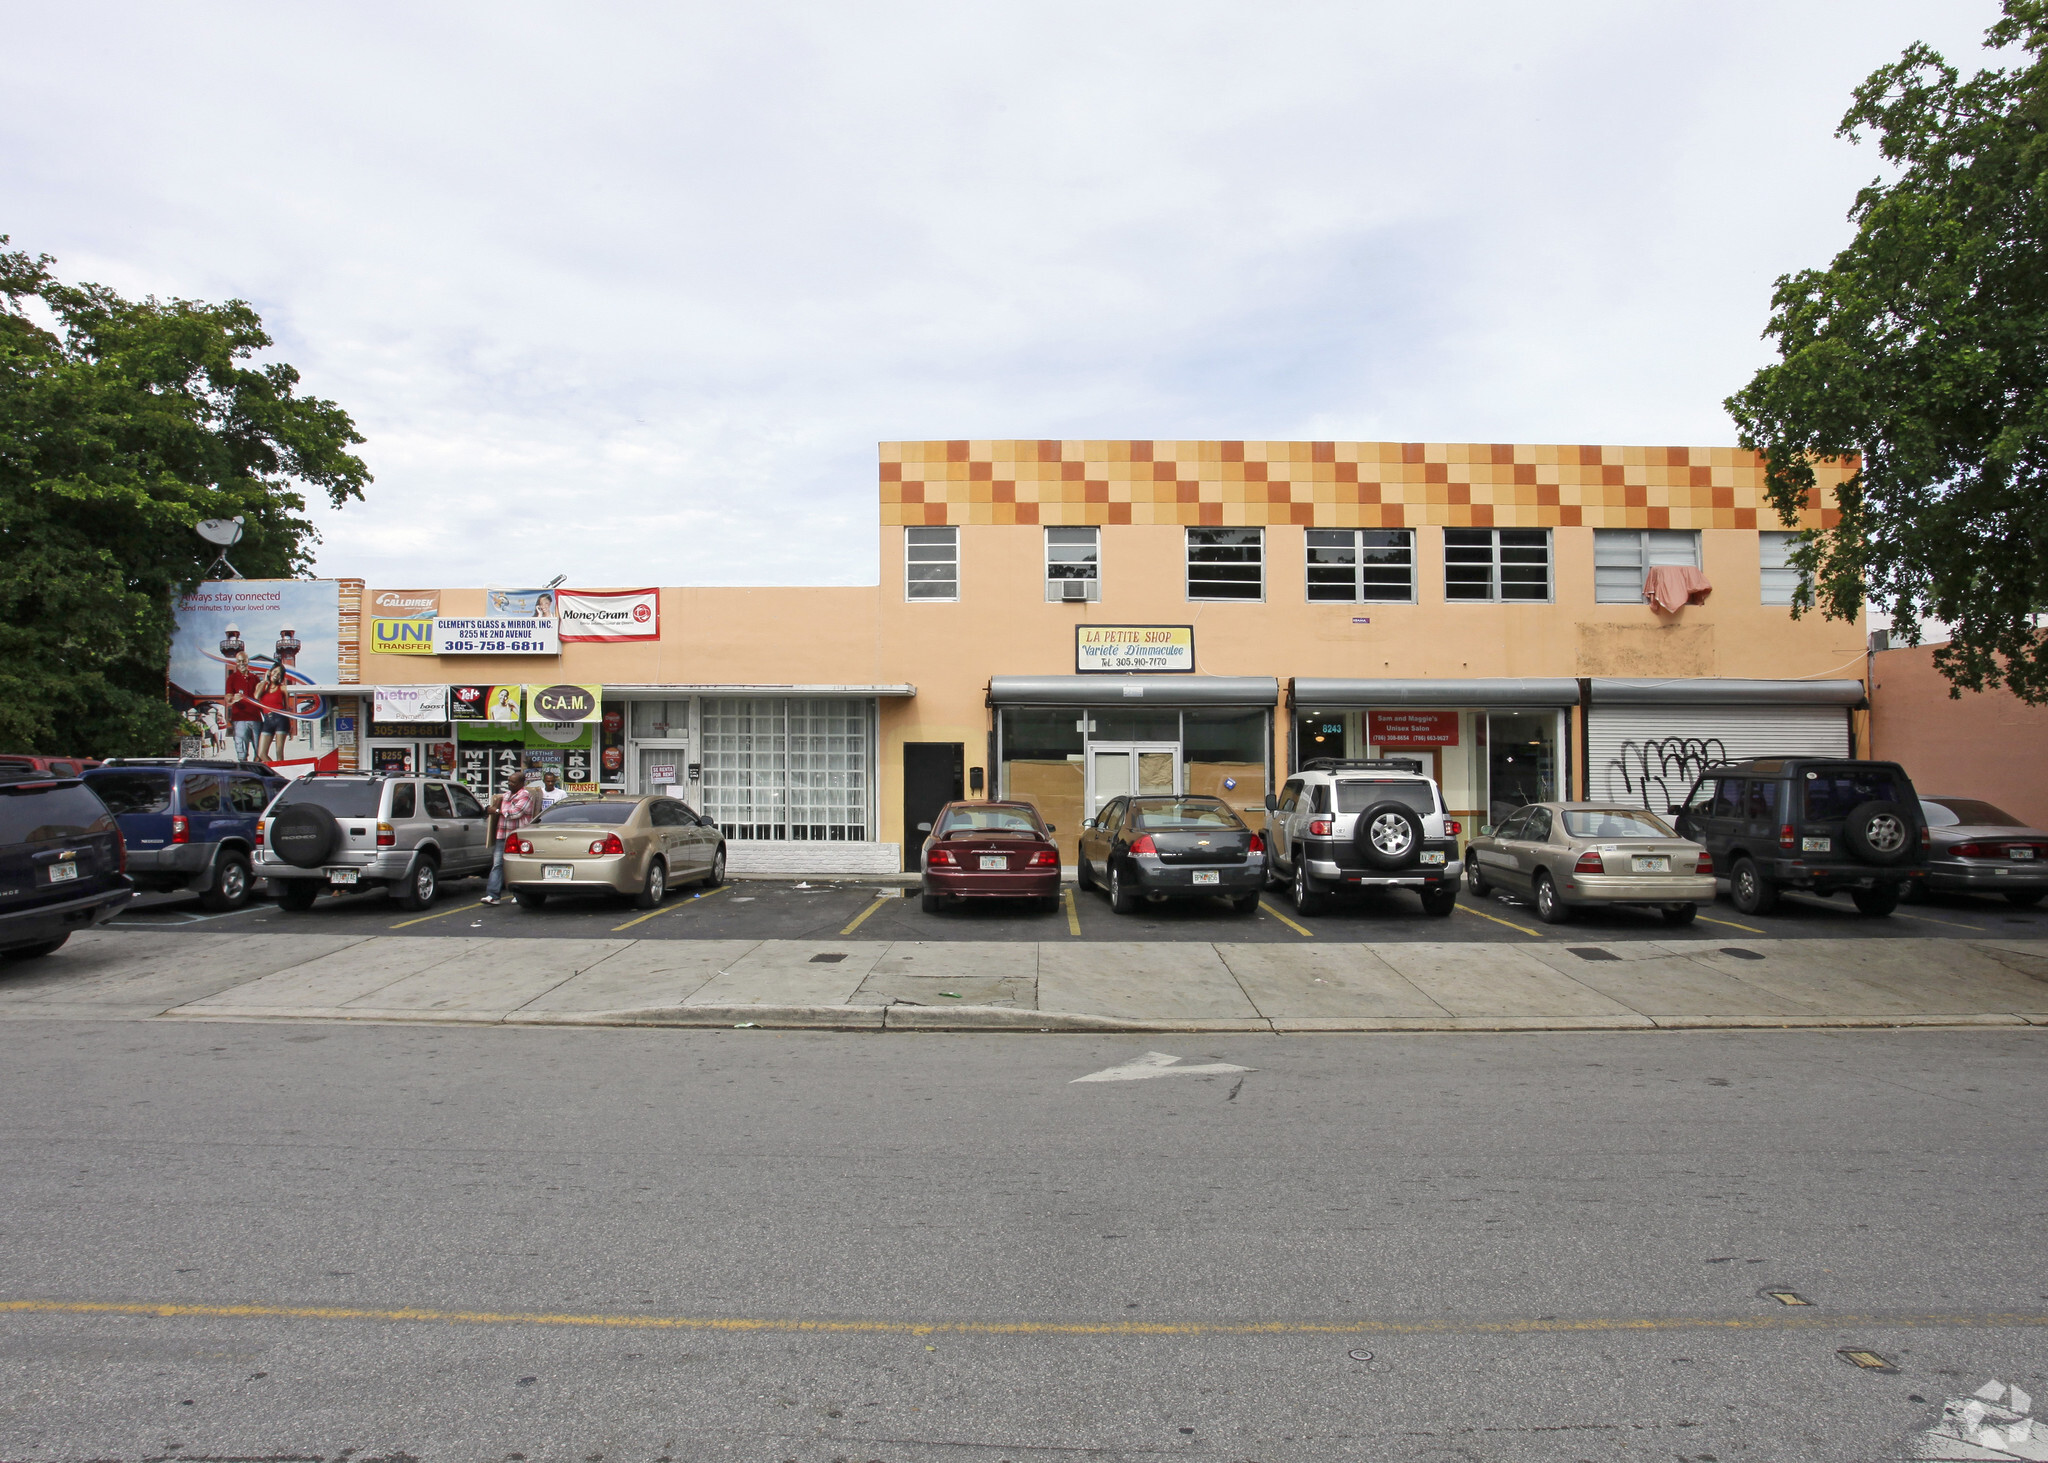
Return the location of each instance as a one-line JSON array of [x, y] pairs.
[[609, 614]]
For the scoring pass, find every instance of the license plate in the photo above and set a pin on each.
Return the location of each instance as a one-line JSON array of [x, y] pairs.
[[563, 872], [1434, 856], [2022, 852], [1816, 845], [1207, 876], [1651, 863], [342, 876], [995, 861], [60, 872]]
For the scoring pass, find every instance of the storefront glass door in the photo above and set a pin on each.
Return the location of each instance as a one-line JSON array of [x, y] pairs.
[[664, 768], [1119, 769]]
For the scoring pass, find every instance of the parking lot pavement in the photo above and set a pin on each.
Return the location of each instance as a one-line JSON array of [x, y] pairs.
[[776, 909]]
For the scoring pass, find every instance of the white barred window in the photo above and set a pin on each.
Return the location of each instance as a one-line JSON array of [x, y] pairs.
[[787, 768]]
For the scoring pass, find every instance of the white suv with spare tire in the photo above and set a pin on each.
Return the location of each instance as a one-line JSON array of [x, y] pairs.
[[1344, 824], [342, 831]]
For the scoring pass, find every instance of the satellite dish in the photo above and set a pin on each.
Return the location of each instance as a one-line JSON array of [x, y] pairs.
[[225, 532]]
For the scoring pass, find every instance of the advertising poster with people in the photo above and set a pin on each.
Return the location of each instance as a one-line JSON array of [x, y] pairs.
[[245, 654]]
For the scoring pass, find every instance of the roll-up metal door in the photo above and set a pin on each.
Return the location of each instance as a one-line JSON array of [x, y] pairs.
[[1649, 755]]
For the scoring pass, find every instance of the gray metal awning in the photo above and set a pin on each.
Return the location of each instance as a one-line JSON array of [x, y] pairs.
[[1133, 690], [1492, 691], [1725, 691]]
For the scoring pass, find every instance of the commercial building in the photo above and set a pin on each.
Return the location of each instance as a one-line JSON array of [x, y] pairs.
[[1068, 620]]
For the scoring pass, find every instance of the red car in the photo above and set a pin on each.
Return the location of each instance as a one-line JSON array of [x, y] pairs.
[[990, 851]]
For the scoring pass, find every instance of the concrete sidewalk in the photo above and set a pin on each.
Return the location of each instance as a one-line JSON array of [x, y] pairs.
[[856, 985]]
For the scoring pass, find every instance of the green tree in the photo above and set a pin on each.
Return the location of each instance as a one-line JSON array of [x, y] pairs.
[[123, 424], [1920, 356]]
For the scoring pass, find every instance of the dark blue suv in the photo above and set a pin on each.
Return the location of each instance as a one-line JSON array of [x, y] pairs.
[[190, 823]]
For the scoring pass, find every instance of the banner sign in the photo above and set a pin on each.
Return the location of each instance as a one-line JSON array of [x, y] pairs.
[[483, 703], [402, 620], [609, 614], [293, 621], [563, 705], [520, 604], [496, 636], [1412, 728], [1158, 648], [410, 704]]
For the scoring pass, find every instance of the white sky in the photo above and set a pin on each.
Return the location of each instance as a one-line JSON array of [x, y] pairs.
[[629, 293]]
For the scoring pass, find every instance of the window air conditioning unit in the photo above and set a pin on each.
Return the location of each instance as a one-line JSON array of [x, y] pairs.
[[1073, 589]]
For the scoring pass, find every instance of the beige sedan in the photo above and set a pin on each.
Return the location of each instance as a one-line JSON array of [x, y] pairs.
[[1563, 855], [638, 846]]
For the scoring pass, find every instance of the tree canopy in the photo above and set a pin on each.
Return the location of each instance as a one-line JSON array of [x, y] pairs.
[[123, 424], [1920, 355]]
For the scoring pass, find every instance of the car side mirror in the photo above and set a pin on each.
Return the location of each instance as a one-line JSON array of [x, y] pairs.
[[1272, 803], [1675, 809], [924, 827], [1486, 830], [1052, 827]]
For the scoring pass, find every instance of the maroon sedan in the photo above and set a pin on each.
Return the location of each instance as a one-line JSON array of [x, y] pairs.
[[990, 851]]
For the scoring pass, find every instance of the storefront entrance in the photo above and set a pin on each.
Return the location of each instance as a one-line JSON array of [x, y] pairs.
[[1122, 769]]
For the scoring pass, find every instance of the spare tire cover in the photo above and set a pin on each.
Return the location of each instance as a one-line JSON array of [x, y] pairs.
[[1389, 835], [303, 834], [1879, 832]]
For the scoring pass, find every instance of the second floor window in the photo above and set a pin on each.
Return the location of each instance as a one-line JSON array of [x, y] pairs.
[[1497, 563], [1361, 565], [1774, 563], [931, 563], [1073, 564], [1622, 556], [1226, 563]]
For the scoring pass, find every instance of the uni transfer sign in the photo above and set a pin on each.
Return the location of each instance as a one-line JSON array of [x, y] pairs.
[[609, 614], [1159, 649]]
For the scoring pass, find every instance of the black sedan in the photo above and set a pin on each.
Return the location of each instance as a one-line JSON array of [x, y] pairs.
[[1171, 848], [1979, 849]]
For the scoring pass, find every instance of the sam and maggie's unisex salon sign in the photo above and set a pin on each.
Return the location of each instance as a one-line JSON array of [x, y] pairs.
[[1159, 649]]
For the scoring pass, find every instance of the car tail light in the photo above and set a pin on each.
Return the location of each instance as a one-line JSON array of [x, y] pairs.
[[522, 846], [262, 827], [1452, 827], [1589, 863], [942, 858], [1321, 827], [1926, 838], [181, 828], [1785, 838], [1045, 858], [1144, 844], [120, 854], [1258, 845], [609, 844], [1705, 865], [1974, 850], [387, 836]]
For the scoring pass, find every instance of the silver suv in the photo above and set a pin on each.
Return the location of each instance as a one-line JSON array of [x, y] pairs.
[[1356, 824], [345, 830]]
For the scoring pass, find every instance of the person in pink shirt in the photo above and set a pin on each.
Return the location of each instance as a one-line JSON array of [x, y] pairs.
[[514, 809]]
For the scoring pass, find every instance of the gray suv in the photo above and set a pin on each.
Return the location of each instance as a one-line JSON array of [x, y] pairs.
[[1352, 824], [345, 830]]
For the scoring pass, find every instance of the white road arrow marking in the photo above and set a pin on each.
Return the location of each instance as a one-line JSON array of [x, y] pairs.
[[1158, 1064]]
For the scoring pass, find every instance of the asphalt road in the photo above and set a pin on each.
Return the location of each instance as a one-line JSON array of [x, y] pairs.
[[1547, 1247], [779, 909]]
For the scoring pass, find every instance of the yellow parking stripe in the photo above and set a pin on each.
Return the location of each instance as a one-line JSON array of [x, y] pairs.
[[1728, 923], [1954, 924], [669, 908], [1462, 909], [1298, 929], [857, 919], [459, 909], [1073, 914]]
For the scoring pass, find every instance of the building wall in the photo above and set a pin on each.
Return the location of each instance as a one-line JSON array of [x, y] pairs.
[[1988, 745]]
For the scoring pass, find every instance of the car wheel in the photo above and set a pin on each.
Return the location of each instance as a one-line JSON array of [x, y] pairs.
[[1680, 914], [2024, 898], [1440, 900], [655, 889], [1121, 899], [295, 894], [931, 903], [1245, 903], [1749, 891], [1876, 902], [1549, 908], [36, 951], [717, 875], [1480, 888], [530, 898], [1050, 904], [1307, 898], [421, 886], [1082, 878], [230, 884]]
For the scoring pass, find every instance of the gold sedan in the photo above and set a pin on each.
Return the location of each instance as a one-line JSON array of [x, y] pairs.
[[637, 846]]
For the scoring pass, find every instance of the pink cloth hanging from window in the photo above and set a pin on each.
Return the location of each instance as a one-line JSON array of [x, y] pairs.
[[1669, 588]]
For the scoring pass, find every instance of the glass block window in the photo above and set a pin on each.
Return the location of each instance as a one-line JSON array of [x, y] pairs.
[[1622, 556], [1073, 564], [1497, 564], [1226, 563], [931, 563], [787, 767], [1774, 561], [1357, 565]]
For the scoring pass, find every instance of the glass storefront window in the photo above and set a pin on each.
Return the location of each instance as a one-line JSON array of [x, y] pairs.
[[661, 720], [1041, 750], [1225, 756], [787, 768], [1131, 724], [1521, 761]]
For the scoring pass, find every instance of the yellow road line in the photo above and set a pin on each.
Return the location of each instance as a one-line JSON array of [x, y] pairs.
[[1954, 924], [859, 918], [1073, 914], [1509, 1326], [459, 909], [669, 908], [1728, 924], [1462, 909], [1299, 930]]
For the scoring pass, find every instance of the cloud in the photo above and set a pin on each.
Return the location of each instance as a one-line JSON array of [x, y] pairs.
[[630, 293]]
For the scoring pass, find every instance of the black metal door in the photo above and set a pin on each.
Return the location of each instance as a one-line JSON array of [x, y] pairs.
[[931, 779]]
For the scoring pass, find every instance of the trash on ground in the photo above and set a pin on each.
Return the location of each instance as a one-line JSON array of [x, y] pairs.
[[950, 995], [743, 1025]]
